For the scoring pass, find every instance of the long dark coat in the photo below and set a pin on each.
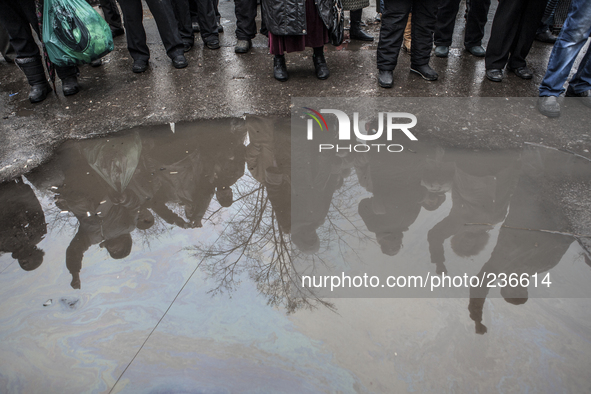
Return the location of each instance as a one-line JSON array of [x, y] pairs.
[[288, 17]]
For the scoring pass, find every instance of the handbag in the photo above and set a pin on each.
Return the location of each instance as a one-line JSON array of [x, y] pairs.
[[336, 32]]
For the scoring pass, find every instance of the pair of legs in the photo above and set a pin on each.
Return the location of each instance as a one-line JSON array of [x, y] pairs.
[[573, 37], [512, 35], [205, 18], [246, 27], [316, 36], [394, 21], [476, 18], [182, 15], [112, 16], [166, 22], [20, 20]]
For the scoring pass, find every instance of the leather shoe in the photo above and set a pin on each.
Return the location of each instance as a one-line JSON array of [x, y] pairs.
[[213, 43], [441, 51], [546, 37], [139, 66], [585, 97], [549, 106], [494, 74], [425, 71], [357, 33], [522, 72], [96, 63], [280, 69], [477, 51], [179, 61], [385, 78], [70, 85], [243, 46], [321, 67]]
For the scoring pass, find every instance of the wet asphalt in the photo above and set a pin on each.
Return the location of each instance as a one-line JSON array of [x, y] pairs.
[[222, 84]]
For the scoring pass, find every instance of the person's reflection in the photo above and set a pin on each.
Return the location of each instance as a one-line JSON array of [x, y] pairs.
[[95, 190], [223, 158], [191, 166], [268, 158], [316, 176], [22, 224], [519, 250], [398, 196], [481, 188]]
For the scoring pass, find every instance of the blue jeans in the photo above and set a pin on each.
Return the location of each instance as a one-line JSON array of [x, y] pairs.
[[572, 38]]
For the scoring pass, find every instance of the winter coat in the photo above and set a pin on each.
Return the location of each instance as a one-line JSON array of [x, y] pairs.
[[288, 17]]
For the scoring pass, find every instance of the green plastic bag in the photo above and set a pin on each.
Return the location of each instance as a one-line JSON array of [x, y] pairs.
[[74, 33]]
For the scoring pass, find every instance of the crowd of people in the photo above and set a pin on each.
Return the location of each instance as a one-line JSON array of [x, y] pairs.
[[420, 26]]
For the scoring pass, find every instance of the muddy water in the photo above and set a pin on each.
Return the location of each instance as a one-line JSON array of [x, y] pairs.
[[168, 259]]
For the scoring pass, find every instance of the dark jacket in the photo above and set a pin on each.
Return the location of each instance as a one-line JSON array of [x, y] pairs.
[[288, 17]]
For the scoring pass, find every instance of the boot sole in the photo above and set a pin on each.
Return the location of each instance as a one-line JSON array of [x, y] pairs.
[[422, 76], [368, 39]]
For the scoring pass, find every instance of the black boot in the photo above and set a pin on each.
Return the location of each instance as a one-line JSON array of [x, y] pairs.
[[69, 77], [70, 85], [280, 68], [355, 32], [33, 69], [320, 65]]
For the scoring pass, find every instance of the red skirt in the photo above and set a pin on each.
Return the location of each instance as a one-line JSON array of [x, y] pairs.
[[316, 35]]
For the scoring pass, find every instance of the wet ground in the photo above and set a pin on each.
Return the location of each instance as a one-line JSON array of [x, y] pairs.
[[221, 84], [169, 258]]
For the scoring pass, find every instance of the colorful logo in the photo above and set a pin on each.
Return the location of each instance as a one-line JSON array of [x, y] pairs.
[[315, 115]]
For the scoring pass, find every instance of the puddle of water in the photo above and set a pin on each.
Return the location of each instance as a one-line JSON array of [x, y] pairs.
[[25, 112], [171, 246]]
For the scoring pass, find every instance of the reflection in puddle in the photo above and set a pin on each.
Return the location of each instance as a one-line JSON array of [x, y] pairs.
[[115, 233]]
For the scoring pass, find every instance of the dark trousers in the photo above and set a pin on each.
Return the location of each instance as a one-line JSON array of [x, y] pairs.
[[246, 12], [205, 13], [111, 13], [513, 32], [5, 48], [19, 20], [182, 14], [446, 21], [133, 16], [394, 18]]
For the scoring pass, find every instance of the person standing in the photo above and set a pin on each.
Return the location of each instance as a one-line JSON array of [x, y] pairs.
[[163, 13], [394, 20], [20, 19], [512, 35], [293, 26], [572, 39], [204, 18], [183, 17], [246, 27], [476, 18]]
